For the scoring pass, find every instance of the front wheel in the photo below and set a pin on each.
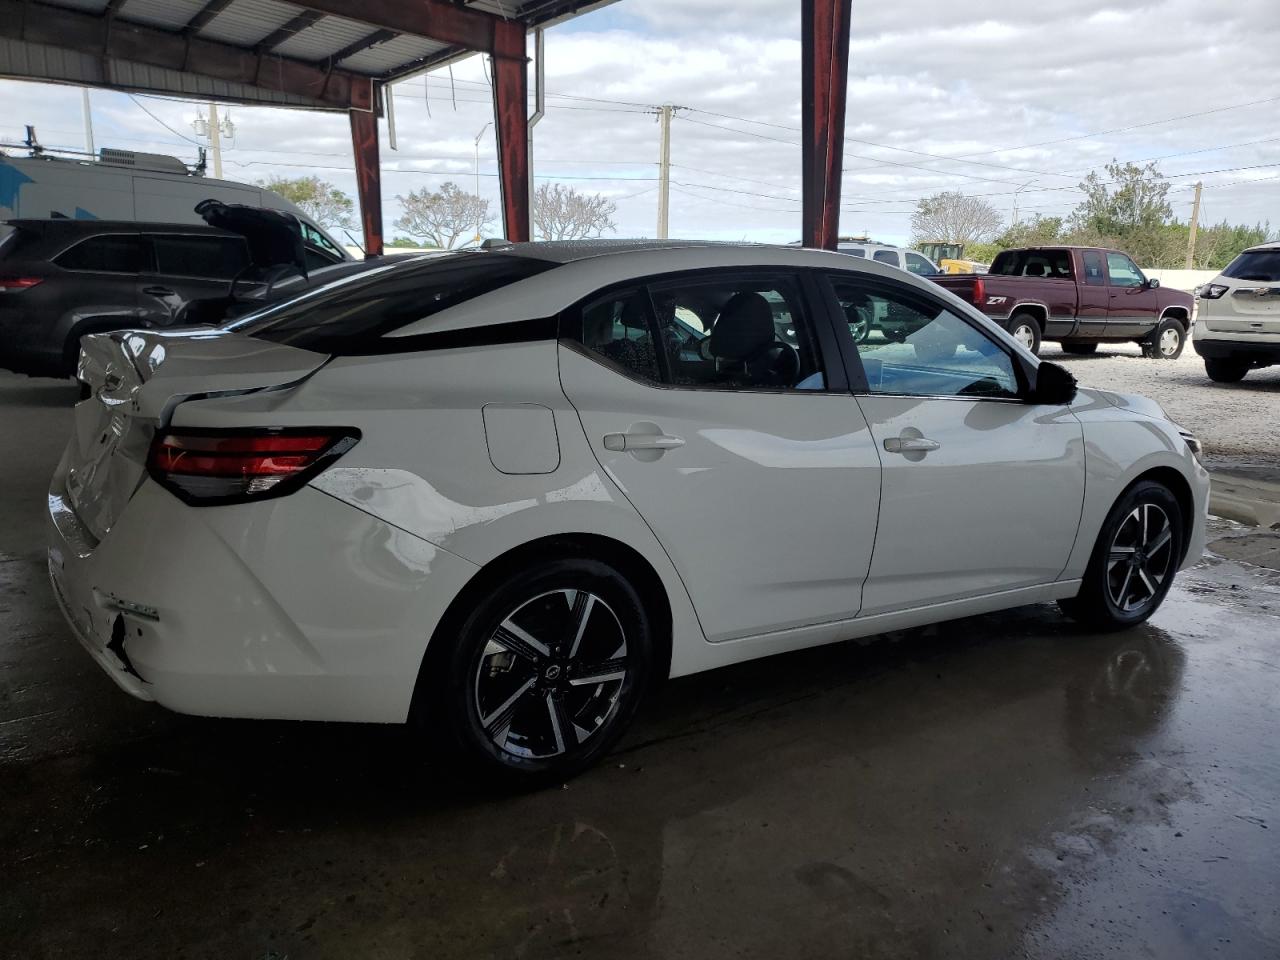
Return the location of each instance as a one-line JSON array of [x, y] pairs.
[[1133, 562], [1026, 330], [546, 673], [1225, 369], [1166, 340]]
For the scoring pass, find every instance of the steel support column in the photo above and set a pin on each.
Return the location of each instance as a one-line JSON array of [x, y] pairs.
[[364, 145], [510, 114], [824, 60]]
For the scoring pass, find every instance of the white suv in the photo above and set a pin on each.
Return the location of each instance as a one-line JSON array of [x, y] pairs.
[[908, 260], [1239, 316]]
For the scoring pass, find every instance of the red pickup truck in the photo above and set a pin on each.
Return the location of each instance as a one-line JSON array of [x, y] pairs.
[[1078, 296]]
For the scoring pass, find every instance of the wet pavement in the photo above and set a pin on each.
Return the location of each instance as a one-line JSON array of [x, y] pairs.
[[1000, 786]]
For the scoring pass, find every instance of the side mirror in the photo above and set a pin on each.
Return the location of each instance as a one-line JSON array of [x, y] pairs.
[[1052, 385], [1153, 283]]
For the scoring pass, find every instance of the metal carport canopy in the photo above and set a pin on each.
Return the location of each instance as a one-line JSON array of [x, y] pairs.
[[336, 54]]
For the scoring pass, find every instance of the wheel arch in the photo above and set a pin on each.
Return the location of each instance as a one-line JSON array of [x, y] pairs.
[[1179, 313], [626, 559], [1177, 484], [1038, 311]]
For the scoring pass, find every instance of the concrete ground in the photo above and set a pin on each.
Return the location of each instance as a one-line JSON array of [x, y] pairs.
[[1000, 786]]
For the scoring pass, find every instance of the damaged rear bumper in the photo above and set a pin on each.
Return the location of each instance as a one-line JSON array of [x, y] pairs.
[[302, 607]]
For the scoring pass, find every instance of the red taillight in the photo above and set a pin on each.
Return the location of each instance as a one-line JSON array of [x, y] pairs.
[[18, 283], [206, 467], [979, 293]]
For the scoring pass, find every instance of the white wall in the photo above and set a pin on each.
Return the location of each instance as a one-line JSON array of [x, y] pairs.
[[1186, 280]]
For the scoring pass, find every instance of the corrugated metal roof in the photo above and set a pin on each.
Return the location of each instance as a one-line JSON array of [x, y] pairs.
[[246, 22], [394, 54], [166, 14], [326, 36]]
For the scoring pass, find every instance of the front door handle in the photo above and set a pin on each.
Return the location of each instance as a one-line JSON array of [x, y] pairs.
[[157, 291], [910, 445], [619, 442]]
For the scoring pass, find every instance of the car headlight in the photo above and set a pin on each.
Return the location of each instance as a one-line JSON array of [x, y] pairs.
[[1211, 291], [1194, 445]]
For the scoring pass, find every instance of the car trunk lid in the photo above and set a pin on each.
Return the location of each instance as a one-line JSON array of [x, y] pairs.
[[135, 379]]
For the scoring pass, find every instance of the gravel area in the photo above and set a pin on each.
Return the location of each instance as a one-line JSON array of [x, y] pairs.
[[1238, 423]]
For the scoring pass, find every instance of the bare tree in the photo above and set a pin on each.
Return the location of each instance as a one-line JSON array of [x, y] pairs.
[[951, 217], [444, 217], [562, 213], [320, 200]]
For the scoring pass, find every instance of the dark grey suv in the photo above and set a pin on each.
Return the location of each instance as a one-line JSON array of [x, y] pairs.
[[61, 279]]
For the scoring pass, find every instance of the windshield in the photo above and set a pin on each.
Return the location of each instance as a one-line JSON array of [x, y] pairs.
[[349, 314], [1260, 266]]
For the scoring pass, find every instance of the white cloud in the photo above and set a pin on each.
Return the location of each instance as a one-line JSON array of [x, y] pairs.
[[1001, 85]]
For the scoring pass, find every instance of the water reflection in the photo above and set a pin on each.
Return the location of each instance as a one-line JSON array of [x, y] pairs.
[[871, 799]]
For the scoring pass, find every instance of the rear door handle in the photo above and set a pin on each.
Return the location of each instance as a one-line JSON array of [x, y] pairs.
[[910, 445], [619, 442], [157, 291]]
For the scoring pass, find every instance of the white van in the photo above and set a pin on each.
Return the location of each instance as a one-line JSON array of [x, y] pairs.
[[142, 187]]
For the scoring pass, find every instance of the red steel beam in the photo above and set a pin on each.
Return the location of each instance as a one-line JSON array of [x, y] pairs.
[[436, 19], [824, 60], [364, 144], [110, 37], [510, 113]]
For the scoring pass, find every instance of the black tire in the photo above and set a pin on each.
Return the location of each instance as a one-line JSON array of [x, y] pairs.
[[557, 727], [1079, 346], [1226, 369], [1026, 329], [1123, 587], [1167, 340]]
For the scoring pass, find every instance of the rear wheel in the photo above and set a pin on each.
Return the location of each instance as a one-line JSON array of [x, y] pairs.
[[1225, 369], [1079, 346], [1166, 340], [1133, 562], [545, 674], [1026, 330]]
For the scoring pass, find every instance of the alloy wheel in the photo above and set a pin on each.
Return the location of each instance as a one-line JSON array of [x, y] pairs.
[[1140, 557], [550, 675], [1170, 341], [1025, 335]]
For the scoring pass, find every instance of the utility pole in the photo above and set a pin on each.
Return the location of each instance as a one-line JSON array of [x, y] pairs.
[[88, 120], [215, 141], [664, 168], [1195, 223], [1014, 219]]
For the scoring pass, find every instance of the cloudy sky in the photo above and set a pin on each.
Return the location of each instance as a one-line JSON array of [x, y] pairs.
[[988, 98]]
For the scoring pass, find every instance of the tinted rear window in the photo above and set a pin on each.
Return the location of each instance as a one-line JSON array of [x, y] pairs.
[[350, 315], [1053, 264], [110, 253], [1262, 266], [219, 258]]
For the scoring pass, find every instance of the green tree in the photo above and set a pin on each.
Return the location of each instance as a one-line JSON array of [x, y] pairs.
[[318, 199], [1129, 200]]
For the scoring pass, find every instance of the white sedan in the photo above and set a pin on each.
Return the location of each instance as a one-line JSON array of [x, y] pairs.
[[501, 493]]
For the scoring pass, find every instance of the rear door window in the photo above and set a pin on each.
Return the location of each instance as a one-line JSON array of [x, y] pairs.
[[115, 253], [887, 256], [217, 258], [352, 315]]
